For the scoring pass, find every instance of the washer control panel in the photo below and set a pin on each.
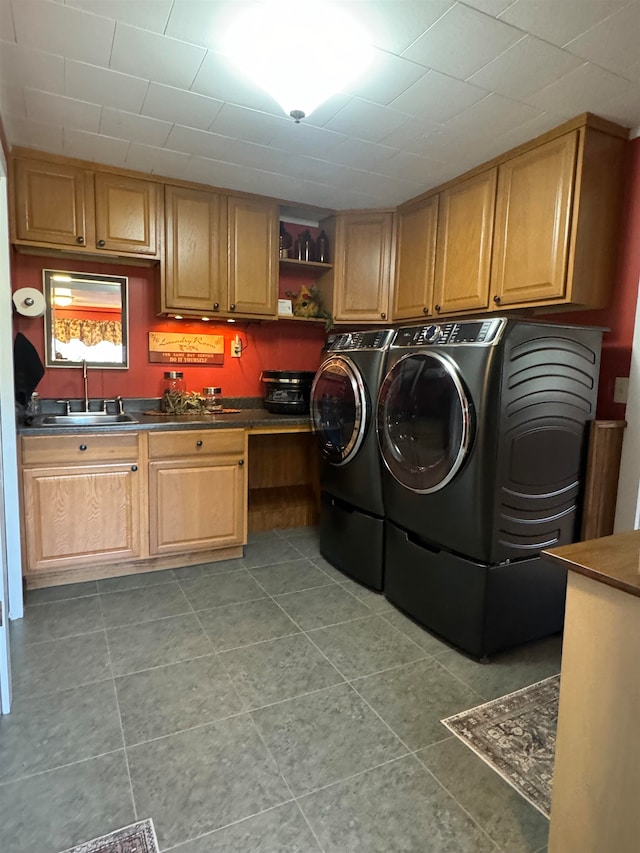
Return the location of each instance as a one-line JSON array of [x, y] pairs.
[[481, 332], [346, 341]]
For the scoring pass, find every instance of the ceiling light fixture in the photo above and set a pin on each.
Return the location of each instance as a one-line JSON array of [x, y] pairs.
[[300, 51]]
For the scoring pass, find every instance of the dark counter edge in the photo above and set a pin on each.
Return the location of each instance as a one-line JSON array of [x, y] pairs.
[[573, 563]]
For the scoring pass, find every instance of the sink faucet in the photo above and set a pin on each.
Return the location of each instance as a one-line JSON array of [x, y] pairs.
[[86, 387]]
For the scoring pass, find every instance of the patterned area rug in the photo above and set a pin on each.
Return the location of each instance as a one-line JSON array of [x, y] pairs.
[[138, 838], [516, 736]]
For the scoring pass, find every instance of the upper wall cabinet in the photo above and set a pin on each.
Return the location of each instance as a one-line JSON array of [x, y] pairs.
[[253, 256], [415, 259], [358, 287], [61, 206]]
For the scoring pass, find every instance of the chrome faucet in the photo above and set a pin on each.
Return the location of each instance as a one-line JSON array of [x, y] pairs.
[[86, 387]]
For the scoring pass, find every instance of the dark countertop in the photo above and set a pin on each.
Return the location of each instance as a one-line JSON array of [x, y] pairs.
[[611, 560]]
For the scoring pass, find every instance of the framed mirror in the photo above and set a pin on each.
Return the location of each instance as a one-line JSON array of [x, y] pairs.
[[86, 319]]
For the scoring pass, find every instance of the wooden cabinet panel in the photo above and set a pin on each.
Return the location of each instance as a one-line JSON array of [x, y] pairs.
[[127, 214], [197, 443], [81, 449], [49, 203], [362, 268], [533, 224], [463, 257], [195, 256], [196, 506], [415, 260], [74, 514], [253, 266]]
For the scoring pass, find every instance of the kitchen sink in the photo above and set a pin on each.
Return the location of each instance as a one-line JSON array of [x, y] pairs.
[[87, 419]]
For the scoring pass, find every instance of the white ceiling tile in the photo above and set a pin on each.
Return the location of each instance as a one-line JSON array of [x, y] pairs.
[[180, 107], [462, 41], [411, 136], [408, 167], [359, 153], [526, 67], [62, 112], [95, 147], [104, 86], [63, 30], [34, 134], [527, 131], [158, 161], [489, 7], [364, 120], [218, 79], [558, 23], [244, 123], [304, 138], [7, 30], [490, 118], [200, 143], [203, 22], [12, 98], [614, 43], [148, 14], [624, 110], [588, 88], [393, 25], [325, 112], [135, 128], [386, 78], [438, 97], [28, 67], [155, 57]]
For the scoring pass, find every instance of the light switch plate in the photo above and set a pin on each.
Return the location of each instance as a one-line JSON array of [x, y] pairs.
[[621, 390]]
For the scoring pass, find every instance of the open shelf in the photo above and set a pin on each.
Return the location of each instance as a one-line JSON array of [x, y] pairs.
[[312, 267]]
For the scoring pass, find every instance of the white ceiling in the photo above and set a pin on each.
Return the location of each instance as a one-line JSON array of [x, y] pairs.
[[142, 84]]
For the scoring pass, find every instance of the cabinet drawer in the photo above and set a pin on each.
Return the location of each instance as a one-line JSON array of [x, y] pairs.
[[170, 445], [82, 448]]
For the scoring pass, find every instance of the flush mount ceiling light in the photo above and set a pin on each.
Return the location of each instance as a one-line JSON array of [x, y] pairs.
[[301, 52]]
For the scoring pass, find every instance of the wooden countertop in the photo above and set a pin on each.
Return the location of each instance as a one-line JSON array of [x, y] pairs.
[[611, 560]]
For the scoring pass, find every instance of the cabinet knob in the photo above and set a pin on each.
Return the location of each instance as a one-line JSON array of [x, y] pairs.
[[232, 307], [199, 443], [83, 447], [216, 306], [496, 299], [134, 467], [436, 307], [80, 240], [425, 310], [240, 461], [101, 244], [383, 315]]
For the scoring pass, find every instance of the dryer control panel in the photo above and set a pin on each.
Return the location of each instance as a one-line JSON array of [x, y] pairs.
[[346, 341], [481, 332]]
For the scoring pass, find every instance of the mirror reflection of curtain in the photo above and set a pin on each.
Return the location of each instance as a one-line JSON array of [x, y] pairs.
[[93, 340]]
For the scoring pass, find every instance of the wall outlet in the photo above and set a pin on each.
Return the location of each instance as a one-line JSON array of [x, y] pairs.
[[236, 347], [621, 390]]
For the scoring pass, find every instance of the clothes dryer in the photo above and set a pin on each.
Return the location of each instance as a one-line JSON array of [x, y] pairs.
[[482, 427], [343, 398]]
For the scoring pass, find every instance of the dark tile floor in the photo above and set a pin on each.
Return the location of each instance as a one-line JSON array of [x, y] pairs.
[[263, 704]]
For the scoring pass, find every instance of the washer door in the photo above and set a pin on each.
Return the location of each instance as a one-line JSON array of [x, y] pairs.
[[340, 409], [425, 421]]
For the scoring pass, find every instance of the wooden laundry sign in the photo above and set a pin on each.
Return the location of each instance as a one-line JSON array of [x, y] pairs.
[[172, 348]]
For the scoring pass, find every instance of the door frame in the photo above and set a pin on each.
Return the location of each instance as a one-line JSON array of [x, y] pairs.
[[628, 500]]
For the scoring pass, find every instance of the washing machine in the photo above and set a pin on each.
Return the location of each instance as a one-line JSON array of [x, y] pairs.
[[482, 426], [343, 397]]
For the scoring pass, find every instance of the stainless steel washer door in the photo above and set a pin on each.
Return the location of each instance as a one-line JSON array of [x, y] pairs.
[[340, 409], [424, 421]]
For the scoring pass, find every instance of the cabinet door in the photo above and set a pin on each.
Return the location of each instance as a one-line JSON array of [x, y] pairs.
[[49, 203], [533, 223], [77, 514], [363, 266], [463, 257], [416, 260], [195, 277], [253, 267], [126, 214], [196, 505]]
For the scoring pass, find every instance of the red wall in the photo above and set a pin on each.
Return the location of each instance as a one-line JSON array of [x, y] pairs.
[[281, 345]]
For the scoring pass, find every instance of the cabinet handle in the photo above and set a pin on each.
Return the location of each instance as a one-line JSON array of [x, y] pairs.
[[199, 443], [134, 467], [240, 461], [216, 306], [232, 307], [101, 244], [383, 315], [425, 310], [83, 447], [80, 240], [496, 299], [437, 307]]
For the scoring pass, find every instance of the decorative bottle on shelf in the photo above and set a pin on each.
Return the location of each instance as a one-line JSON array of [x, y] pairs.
[[286, 242], [322, 248], [304, 247]]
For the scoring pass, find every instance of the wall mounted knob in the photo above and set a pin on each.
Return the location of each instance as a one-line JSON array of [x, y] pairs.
[[437, 307], [134, 467], [199, 443], [216, 306], [240, 461], [496, 299], [383, 315], [232, 307], [83, 447], [80, 240], [101, 243]]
